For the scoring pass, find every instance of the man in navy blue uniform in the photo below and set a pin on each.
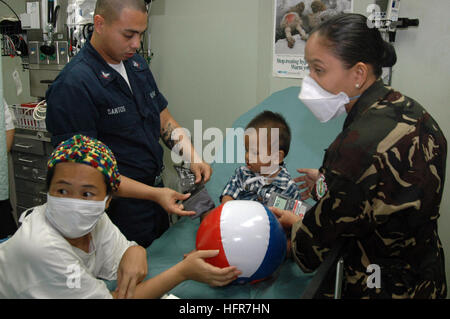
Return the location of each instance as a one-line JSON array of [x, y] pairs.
[[107, 91]]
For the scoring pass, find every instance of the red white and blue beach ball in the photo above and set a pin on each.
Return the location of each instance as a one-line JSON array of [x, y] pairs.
[[247, 235]]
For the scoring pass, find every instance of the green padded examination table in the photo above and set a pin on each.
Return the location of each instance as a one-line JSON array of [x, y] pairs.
[[288, 282]]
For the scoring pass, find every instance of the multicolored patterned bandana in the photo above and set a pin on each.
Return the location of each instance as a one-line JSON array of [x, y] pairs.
[[89, 151]]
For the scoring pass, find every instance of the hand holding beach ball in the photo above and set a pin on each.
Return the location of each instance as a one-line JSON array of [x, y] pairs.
[[247, 235]]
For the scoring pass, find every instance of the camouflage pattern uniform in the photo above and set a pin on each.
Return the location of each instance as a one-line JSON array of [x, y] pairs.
[[385, 178]]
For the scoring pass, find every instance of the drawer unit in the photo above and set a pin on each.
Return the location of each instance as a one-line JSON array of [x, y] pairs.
[[30, 153], [30, 146], [30, 160], [28, 200], [30, 173], [35, 189]]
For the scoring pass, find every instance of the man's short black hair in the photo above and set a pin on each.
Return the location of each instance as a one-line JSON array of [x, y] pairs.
[[269, 120], [110, 9]]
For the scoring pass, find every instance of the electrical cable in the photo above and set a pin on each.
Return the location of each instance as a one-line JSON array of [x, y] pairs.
[[15, 42], [10, 9], [90, 29], [149, 53], [15, 45], [9, 44], [142, 49], [40, 110]]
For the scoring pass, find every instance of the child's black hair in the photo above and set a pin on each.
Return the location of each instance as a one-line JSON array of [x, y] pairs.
[[268, 119]]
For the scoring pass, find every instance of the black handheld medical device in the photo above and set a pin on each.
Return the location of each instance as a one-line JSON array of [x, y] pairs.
[[199, 201], [186, 179]]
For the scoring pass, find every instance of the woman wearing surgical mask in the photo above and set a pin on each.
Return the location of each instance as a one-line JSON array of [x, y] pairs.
[[382, 179], [63, 247]]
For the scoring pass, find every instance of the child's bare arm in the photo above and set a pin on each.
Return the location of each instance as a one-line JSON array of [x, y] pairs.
[[226, 198]]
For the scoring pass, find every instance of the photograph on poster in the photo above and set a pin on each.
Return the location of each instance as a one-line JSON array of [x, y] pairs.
[[294, 21]]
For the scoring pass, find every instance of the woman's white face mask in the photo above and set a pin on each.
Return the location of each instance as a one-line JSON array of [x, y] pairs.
[[323, 104], [74, 218]]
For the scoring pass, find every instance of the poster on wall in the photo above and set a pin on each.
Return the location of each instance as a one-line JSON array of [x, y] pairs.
[[294, 20]]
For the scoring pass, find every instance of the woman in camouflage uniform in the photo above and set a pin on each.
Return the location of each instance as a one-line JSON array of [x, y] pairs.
[[382, 179]]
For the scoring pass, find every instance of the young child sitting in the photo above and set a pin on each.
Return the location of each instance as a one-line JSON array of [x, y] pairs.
[[262, 176]]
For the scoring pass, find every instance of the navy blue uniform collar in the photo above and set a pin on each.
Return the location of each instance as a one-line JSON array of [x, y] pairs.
[[103, 71]]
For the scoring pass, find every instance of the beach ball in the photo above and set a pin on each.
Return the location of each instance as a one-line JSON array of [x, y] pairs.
[[247, 235]]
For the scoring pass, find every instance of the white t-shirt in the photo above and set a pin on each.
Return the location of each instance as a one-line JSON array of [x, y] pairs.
[[37, 262], [120, 68]]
